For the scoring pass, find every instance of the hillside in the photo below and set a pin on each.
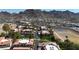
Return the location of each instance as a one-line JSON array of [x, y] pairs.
[[39, 15]]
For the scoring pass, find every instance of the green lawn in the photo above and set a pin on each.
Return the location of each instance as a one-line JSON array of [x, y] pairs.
[[47, 37]]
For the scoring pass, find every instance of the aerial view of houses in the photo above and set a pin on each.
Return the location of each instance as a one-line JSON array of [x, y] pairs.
[[37, 29]]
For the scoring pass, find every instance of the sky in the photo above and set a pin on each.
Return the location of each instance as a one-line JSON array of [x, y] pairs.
[[18, 10]]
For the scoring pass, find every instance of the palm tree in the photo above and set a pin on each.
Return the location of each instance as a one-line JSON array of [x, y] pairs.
[[6, 28]]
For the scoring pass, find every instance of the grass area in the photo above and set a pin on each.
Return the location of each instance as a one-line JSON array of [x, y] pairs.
[[27, 36]]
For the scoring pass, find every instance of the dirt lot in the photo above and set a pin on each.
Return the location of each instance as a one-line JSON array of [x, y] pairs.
[[72, 35]]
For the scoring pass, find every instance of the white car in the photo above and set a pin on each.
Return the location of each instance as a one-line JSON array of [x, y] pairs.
[[52, 46]]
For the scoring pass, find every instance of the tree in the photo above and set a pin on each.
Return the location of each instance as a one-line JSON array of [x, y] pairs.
[[6, 28], [31, 36], [14, 35], [67, 45], [2, 34]]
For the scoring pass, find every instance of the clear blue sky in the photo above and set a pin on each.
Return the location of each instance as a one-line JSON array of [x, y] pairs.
[[12, 10], [18, 10]]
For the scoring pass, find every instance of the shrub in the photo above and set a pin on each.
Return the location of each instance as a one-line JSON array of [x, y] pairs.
[[67, 45]]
